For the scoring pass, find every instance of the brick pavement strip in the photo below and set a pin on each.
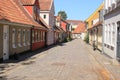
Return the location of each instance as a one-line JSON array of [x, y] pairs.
[[71, 61]]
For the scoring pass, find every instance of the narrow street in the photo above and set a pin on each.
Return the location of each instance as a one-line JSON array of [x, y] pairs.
[[70, 61]]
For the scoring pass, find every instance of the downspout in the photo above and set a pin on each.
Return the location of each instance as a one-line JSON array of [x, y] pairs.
[[103, 29]]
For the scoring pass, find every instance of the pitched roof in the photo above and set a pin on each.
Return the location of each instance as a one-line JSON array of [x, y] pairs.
[[45, 5], [28, 2], [97, 24], [14, 12], [74, 22], [81, 28]]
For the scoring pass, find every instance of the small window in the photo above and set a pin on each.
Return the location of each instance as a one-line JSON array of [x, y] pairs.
[[28, 42], [33, 36], [13, 38], [24, 38], [44, 16], [19, 38]]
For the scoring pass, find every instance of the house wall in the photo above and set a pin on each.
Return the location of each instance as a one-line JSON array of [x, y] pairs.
[[51, 17], [47, 17], [38, 39], [99, 36], [1, 40], [50, 37], [83, 36], [111, 18], [23, 47]]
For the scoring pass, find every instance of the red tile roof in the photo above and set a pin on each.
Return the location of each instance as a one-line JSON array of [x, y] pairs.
[[74, 22], [81, 28], [28, 2], [12, 10], [45, 5]]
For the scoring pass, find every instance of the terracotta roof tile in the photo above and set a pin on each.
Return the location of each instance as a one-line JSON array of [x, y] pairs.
[[45, 5], [14, 12], [28, 2], [81, 28]]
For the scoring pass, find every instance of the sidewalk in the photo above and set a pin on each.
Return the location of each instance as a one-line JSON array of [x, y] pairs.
[[105, 61]]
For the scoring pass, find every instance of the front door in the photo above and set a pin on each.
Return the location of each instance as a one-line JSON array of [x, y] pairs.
[[5, 42], [118, 41]]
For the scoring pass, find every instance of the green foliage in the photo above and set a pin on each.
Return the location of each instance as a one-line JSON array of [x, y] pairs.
[[86, 38], [63, 15]]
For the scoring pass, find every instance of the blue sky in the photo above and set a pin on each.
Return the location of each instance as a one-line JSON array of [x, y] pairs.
[[77, 9]]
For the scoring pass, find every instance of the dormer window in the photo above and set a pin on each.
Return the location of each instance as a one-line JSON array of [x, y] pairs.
[[44, 16]]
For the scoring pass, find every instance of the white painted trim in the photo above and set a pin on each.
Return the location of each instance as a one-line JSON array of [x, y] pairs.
[[115, 55], [5, 42]]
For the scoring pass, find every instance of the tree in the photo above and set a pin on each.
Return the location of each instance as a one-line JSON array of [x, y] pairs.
[[62, 14]]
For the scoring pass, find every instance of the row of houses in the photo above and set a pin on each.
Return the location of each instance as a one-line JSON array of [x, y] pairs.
[[103, 27], [28, 25]]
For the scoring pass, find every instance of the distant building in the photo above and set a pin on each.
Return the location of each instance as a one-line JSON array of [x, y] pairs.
[[74, 23], [80, 31]]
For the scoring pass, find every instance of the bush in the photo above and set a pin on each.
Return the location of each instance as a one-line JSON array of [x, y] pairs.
[[86, 38]]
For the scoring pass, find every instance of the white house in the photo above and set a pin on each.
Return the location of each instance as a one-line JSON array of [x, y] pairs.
[[111, 30], [47, 13]]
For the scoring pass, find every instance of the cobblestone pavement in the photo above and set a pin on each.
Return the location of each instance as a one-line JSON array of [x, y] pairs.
[[70, 61]]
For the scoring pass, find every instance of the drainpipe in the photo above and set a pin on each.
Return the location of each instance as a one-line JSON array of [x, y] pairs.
[[103, 29]]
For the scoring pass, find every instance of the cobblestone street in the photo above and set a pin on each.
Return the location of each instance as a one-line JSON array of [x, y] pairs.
[[70, 61]]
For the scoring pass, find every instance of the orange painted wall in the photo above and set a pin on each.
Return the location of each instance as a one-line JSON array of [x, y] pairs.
[[29, 9]]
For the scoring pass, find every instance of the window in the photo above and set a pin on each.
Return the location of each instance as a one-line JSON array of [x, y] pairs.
[[28, 41], [19, 38], [33, 36], [109, 34], [24, 37], [13, 38], [36, 35], [44, 16], [113, 34]]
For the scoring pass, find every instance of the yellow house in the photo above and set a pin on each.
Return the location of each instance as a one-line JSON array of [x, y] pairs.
[[94, 27]]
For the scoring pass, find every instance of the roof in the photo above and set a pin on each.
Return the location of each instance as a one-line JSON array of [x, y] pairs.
[[27, 2], [14, 12], [95, 12], [74, 22], [81, 28], [45, 5], [97, 24]]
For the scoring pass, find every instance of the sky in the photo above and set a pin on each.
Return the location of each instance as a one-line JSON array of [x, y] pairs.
[[77, 9]]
